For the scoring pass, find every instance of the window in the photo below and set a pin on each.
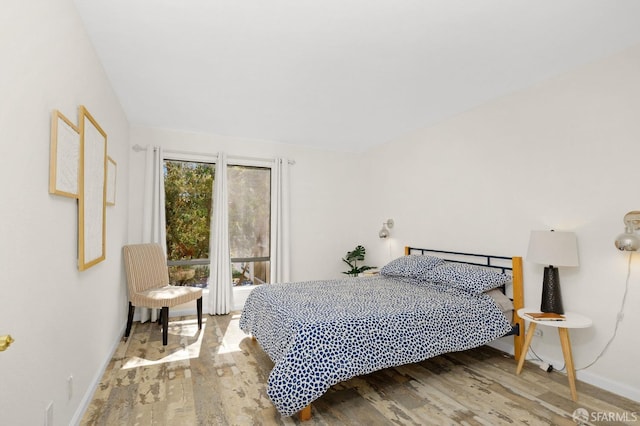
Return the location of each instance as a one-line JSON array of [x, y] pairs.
[[250, 224], [188, 192], [188, 204]]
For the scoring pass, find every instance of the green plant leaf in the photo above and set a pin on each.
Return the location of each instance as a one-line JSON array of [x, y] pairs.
[[352, 259]]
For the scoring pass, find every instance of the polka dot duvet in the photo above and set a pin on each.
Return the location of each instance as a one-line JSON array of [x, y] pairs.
[[319, 333]]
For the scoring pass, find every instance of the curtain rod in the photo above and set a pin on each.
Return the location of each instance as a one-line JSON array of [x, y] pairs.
[[138, 148]]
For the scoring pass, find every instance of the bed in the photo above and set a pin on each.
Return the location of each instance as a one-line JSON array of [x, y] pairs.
[[423, 304]]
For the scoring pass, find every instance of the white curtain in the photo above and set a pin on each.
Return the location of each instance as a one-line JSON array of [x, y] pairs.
[[280, 233], [153, 213], [220, 284]]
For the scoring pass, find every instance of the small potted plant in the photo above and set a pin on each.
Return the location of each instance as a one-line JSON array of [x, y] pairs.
[[352, 258]]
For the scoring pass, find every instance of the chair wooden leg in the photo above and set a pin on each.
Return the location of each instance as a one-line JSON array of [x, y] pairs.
[[199, 308], [165, 324], [129, 320]]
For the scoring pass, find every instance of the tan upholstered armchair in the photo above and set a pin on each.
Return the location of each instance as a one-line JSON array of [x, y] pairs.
[[148, 284]]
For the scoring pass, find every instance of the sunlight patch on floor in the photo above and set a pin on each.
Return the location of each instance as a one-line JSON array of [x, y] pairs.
[[232, 337], [187, 330]]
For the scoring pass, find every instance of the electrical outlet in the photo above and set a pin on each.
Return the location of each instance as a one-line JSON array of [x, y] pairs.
[[48, 415], [70, 386], [537, 333]]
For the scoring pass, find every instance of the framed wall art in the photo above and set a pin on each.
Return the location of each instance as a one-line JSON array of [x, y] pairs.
[[64, 162], [111, 181], [92, 191]]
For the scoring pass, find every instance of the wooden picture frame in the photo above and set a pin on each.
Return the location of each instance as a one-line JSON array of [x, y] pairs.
[[112, 169], [92, 191], [64, 161]]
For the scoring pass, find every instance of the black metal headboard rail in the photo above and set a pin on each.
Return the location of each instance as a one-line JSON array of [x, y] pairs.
[[503, 263]]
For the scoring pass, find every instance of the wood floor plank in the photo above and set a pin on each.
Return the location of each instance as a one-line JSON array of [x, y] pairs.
[[218, 376], [530, 385]]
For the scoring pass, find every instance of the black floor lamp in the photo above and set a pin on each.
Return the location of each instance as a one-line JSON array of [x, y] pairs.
[[552, 249]]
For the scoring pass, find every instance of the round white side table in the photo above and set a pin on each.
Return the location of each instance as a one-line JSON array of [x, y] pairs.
[[572, 320]]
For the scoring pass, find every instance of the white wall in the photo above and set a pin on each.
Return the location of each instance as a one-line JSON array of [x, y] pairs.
[[551, 156], [547, 157], [562, 155], [325, 195], [64, 322]]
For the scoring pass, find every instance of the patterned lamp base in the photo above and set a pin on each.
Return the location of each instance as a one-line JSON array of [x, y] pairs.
[[551, 296]]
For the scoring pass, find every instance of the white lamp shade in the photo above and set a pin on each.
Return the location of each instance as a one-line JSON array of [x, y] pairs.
[[553, 248]]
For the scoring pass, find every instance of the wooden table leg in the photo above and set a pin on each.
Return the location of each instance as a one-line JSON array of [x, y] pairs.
[[305, 413], [568, 359], [525, 348]]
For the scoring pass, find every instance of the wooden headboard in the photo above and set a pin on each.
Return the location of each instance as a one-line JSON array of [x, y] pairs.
[[503, 263]]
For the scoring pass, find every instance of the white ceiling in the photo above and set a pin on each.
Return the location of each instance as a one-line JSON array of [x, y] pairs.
[[339, 74]]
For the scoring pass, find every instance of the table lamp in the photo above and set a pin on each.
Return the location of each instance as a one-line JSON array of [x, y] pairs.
[[554, 249]]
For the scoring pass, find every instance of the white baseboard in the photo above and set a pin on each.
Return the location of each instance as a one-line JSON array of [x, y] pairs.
[[609, 385], [88, 395], [86, 399], [240, 295], [501, 345]]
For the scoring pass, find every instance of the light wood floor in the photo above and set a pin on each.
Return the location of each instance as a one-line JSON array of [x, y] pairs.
[[218, 377]]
